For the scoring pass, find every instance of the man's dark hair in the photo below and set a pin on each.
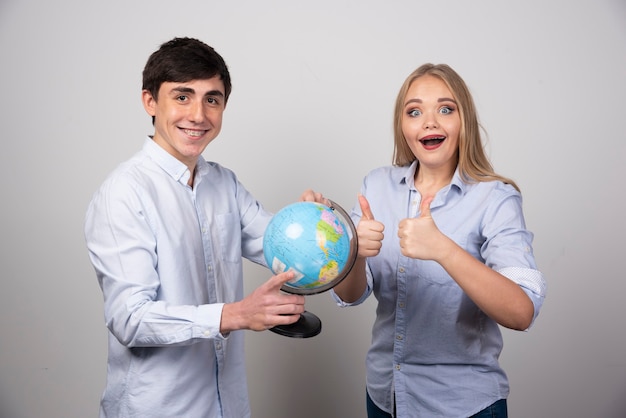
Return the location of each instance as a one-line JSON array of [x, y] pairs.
[[181, 60]]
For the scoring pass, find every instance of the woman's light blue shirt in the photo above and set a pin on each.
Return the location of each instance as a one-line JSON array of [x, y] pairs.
[[431, 345]]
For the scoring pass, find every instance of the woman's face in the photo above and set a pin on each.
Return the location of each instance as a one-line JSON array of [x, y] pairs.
[[431, 124]]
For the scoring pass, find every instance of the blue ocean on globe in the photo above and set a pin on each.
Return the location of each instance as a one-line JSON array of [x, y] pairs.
[[310, 240]]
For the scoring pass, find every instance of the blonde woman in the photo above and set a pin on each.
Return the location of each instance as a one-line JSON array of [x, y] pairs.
[[444, 248]]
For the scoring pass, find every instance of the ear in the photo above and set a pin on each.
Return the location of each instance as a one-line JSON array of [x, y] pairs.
[[149, 102]]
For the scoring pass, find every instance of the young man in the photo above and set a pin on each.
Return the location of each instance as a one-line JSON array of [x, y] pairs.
[[166, 233]]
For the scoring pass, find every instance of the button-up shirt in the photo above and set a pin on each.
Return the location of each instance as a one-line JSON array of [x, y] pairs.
[[434, 352], [168, 257]]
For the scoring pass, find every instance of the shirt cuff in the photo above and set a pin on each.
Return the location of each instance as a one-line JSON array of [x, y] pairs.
[[532, 283], [208, 321], [368, 290], [343, 304]]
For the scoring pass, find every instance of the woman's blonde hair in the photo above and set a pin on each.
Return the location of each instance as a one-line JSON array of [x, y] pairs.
[[473, 163]]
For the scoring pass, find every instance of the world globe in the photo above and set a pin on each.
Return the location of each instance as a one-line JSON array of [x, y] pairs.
[[318, 244]]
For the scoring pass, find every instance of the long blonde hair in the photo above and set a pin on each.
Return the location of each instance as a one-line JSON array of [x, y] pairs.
[[473, 163]]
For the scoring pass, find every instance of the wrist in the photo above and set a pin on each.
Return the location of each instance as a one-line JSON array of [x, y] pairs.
[[447, 251], [228, 320]]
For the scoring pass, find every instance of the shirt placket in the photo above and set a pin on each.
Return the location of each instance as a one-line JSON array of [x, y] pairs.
[[401, 306], [207, 249]]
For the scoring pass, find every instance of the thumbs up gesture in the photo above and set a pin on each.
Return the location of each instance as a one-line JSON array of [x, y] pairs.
[[369, 231], [420, 237]]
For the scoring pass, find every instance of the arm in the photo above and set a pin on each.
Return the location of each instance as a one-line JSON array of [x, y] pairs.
[[370, 237], [158, 298], [500, 298]]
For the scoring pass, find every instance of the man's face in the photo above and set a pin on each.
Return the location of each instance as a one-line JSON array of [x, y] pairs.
[[187, 116]]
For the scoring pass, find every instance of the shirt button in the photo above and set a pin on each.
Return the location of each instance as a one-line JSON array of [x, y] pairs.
[[397, 367], [218, 346], [401, 304], [209, 268], [207, 333], [399, 337], [401, 269]]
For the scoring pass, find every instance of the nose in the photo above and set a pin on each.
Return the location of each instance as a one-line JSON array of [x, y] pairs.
[[196, 112], [430, 121]]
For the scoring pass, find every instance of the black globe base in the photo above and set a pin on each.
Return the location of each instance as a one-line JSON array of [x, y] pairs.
[[309, 325]]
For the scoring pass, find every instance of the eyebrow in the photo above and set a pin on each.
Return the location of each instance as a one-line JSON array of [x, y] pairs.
[[440, 100], [182, 89]]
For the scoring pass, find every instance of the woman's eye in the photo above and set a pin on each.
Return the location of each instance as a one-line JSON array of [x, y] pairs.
[[414, 112], [446, 110]]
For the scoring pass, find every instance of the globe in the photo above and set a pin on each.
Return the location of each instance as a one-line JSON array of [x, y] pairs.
[[314, 241]]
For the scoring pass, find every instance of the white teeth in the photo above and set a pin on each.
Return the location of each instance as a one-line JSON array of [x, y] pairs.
[[193, 133]]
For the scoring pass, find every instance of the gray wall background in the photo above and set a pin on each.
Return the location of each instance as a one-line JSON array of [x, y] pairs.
[[314, 85]]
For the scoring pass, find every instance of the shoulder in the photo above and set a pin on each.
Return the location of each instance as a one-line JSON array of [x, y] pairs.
[[387, 170], [497, 199], [137, 169], [216, 174], [494, 190], [387, 174], [129, 178], [214, 168]]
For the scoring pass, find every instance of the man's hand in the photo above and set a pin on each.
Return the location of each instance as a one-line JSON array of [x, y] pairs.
[[264, 308]]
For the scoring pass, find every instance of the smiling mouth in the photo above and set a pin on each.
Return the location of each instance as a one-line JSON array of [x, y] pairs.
[[194, 132], [432, 141]]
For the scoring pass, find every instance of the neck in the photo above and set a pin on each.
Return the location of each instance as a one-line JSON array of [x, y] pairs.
[[428, 181], [192, 174]]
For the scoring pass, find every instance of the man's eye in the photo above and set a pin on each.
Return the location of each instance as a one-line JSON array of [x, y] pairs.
[[212, 101], [181, 98]]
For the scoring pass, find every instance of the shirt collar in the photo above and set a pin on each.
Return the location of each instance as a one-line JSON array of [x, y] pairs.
[[170, 164], [457, 181], [407, 176]]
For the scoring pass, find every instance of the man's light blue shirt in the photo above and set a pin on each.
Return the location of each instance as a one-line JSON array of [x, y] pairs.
[[168, 257], [431, 345]]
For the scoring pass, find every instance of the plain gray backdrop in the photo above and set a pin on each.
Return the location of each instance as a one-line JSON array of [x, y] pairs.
[[314, 88]]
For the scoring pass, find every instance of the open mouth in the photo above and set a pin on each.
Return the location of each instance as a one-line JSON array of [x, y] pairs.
[[432, 141]]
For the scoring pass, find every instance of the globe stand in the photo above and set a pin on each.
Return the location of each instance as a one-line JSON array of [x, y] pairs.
[[309, 324]]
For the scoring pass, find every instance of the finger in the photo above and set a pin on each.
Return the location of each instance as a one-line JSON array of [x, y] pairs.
[[285, 319], [425, 206], [365, 208], [276, 282], [311, 195], [401, 228], [307, 196]]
